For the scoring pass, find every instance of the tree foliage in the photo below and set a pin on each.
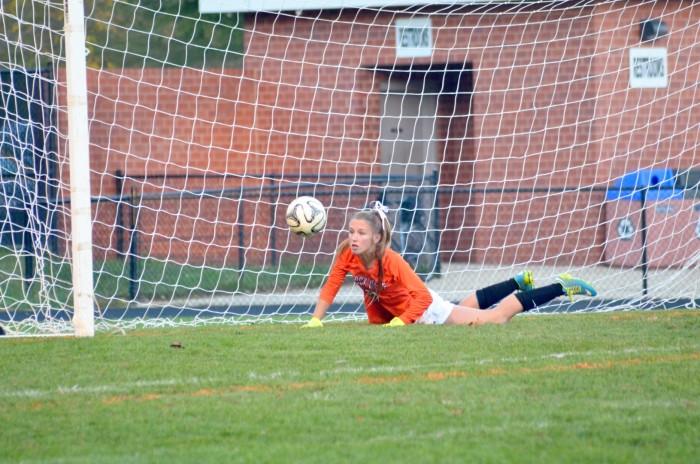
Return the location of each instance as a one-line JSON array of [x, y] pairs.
[[121, 33]]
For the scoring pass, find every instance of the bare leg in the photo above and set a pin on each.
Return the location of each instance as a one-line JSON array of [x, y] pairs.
[[470, 301], [502, 313]]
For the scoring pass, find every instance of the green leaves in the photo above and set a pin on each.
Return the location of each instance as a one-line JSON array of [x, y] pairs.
[[122, 34]]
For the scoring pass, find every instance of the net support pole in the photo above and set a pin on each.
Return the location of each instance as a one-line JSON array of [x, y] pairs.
[[78, 147]]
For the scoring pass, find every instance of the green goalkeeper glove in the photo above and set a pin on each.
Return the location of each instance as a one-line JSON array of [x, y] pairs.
[[313, 323], [395, 322]]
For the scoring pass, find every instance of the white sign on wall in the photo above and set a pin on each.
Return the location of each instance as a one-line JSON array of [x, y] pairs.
[[625, 229], [648, 68], [414, 37]]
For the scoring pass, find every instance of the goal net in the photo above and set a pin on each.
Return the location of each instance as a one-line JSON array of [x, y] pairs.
[[553, 136]]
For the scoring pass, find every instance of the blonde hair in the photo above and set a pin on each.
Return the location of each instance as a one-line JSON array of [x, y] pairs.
[[379, 224]]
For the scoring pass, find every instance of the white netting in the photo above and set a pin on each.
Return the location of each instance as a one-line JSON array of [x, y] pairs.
[[502, 135]]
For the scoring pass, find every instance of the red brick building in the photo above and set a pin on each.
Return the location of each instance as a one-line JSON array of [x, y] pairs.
[[525, 101]]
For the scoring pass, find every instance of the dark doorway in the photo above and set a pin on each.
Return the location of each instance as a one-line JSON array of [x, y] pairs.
[[421, 105]]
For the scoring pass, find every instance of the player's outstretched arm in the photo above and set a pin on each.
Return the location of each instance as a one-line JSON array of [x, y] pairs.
[[319, 313]]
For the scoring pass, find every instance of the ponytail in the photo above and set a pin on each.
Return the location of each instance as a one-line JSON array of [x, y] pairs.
[[379, 211]]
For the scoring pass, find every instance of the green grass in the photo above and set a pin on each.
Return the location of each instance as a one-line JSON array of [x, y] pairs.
[[156, 280], [620, 387], [159, 280]]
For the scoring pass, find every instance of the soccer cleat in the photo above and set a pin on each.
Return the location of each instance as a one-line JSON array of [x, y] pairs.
[[525, 280], [574, 286]]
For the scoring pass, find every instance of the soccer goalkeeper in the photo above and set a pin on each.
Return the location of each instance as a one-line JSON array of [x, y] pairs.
[[395, 296]]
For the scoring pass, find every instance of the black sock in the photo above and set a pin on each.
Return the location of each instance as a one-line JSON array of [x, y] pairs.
[[488, 296], [539, 296]]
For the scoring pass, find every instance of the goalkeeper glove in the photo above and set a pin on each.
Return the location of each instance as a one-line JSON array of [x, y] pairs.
[[313, 323], [395, 322]]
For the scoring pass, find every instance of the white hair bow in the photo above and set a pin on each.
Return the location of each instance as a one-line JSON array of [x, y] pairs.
[[380, 209]]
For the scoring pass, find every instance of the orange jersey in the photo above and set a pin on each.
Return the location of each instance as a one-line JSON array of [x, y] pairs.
[[403, 294]]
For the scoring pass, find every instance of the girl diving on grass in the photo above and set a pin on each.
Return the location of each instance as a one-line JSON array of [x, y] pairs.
[[394, 295]]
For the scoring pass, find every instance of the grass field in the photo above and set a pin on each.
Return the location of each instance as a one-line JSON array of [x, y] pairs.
[[155, 280], [615, 387]]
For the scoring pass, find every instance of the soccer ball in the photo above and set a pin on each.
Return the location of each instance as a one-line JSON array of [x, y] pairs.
[[306, 216]]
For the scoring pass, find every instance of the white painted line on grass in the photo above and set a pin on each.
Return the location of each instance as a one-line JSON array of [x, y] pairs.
[[516, 359], [127, 387], [109, 388]]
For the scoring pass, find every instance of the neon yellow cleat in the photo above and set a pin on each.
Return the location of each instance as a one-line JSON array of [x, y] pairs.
[[574, 286], [525, 280]]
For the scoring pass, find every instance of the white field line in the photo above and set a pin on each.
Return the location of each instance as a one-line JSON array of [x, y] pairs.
[[107, 388], [128, 387], [508, 360]]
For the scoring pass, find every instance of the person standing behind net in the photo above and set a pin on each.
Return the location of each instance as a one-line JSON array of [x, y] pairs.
[[394, 295]]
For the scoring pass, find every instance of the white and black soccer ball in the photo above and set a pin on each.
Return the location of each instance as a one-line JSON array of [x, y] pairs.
[[306, 216]]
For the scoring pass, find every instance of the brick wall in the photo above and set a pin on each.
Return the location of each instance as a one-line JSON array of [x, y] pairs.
[[554, 114]]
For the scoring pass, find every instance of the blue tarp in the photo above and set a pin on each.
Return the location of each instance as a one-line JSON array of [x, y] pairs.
[[661, 184]]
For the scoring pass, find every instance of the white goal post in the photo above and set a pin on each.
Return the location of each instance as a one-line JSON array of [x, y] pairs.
[[148, 152], [79, 155]]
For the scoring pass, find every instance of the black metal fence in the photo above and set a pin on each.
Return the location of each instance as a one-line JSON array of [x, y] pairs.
[[253, 217], [256, 223]]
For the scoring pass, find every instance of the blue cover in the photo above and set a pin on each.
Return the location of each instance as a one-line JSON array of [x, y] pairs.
[[661, 183]]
